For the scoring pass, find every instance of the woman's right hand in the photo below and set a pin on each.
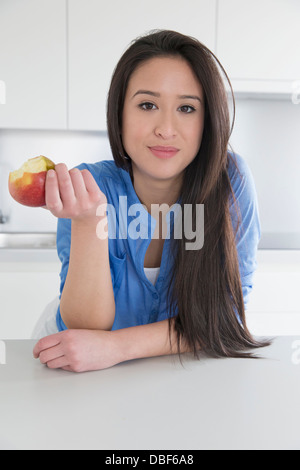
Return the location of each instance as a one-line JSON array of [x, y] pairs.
[[72, 194]]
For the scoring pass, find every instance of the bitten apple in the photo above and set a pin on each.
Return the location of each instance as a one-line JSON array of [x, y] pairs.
[[27, 185]]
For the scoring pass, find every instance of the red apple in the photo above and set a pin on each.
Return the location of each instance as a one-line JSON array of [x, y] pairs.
[[27, 185]]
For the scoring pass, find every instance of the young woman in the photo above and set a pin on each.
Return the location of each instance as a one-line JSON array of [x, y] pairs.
[[130, 296]]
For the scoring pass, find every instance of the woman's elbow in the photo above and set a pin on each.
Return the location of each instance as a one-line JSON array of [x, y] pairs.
[[88, 321]]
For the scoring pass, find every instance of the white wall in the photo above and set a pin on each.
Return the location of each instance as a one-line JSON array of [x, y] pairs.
[[266, 134]]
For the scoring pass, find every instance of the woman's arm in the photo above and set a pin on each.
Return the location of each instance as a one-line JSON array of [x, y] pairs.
[[84, 350], [87, 299], [249, 231]]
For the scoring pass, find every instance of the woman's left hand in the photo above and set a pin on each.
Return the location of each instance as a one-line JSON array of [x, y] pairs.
[[78, 350]]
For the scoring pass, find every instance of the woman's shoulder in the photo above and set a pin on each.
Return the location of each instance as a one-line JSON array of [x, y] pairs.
[[237, 165], [109, 177], [102, 169], [240, 174]]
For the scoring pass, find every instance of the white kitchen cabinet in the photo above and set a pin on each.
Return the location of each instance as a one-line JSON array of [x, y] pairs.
[[57, 56], [258, 43], [26, 287], [274, 304], [30, 280], [98, 35], [33, 64]]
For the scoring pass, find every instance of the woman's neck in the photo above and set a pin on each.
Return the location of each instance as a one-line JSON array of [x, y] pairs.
[[150, 191]]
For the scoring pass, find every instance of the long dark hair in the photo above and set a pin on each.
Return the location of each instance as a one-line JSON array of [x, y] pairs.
[[205, 293]]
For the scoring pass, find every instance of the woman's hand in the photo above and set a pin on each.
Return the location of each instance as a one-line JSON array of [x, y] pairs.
[[72, 194], [78, 350]]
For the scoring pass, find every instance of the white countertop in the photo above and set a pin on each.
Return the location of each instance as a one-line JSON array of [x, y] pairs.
[[153, 403]]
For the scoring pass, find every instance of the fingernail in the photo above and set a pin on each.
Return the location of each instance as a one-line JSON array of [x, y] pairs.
[[51, 173]]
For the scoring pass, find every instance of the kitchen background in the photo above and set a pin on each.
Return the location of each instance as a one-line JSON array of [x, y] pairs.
[[56, 61]]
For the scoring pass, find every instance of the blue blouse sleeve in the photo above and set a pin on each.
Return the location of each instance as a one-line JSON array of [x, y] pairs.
[[249, 231], [63, 244]]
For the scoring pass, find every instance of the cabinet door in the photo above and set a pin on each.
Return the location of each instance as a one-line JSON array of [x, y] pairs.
[[98, 35], [259, 40], [33, 63], [24, 296]]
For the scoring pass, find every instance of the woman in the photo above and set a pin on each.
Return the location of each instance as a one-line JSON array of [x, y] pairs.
[[129, 296]]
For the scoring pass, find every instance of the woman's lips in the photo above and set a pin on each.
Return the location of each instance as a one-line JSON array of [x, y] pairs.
[[164, 152]]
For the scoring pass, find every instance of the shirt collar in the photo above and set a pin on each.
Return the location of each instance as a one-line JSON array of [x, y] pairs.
[[145, 217]]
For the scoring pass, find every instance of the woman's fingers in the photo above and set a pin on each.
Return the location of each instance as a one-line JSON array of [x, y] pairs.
[[58, 363], [72, 194], [65, 184], [53, 200], [92, 187], [51, 353], [77, 350], [46, 342], [50, 350], [80, 191], [68, 368], [63, 187]]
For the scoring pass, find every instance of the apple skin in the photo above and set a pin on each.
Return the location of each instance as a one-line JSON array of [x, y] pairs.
[[29, 190], [27, 185]]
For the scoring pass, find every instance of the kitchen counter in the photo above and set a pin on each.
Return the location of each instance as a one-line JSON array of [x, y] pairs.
[[26, 247], [10, 258], [153, 403]]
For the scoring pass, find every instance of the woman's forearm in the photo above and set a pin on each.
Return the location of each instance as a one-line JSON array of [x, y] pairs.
[[87, 299], [147, 341], [82, 350]]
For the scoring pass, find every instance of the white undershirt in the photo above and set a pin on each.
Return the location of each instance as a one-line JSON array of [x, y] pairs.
[[152, 274]]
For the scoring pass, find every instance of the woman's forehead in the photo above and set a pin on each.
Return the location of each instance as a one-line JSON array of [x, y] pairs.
[[164, 75]]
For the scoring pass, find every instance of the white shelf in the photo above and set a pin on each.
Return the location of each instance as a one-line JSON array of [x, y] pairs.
[[265, 89]]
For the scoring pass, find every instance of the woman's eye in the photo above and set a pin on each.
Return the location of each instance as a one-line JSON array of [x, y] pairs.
[[187, 109], [147, 106]]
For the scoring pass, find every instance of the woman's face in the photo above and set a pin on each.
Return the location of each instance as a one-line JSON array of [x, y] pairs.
[[163, 116]]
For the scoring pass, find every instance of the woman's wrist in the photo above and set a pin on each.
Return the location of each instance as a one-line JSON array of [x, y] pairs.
[[144, 341]]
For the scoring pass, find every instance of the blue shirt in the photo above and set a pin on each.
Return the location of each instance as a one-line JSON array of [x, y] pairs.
[[137, 300]]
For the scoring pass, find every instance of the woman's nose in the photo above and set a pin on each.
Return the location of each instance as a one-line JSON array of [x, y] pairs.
[[165, 126]]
